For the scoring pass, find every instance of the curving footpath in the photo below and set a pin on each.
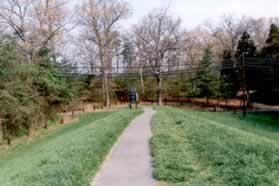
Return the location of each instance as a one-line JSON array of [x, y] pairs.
[[129, 163]]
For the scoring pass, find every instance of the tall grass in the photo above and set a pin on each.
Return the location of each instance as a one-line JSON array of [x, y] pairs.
[[194, 148], [70, 156]]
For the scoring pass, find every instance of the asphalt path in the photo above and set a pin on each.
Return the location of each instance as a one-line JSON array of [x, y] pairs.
[[129, 163]]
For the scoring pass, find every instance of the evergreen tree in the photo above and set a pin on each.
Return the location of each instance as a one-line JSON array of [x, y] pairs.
[[246, 44], [271, 50], [17, 97], [206, 77], [128, 52], [52, 88], [29, 90]]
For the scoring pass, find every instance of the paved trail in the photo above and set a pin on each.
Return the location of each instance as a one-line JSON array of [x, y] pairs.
[[129, 164]]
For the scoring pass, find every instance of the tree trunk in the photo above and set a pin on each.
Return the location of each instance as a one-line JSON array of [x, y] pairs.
[[142, 84], [227, 105], [107, 92], [103, 90], [9, 137], [159, 87], [1, 132], [9, 130], [192, 83], [33, 124], [46, 120], [218, 104], [29, 132]]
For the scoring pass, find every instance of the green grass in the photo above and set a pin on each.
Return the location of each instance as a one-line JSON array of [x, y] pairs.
[[70, 156], [199, 148]]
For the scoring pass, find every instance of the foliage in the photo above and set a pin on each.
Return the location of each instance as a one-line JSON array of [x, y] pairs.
[[69, 156], [128, 52], [272, 43], [206, 77], [246, 45], [17, 98], [225, 89], [51, 88], [175, 87], [29, 90], [199, 148]]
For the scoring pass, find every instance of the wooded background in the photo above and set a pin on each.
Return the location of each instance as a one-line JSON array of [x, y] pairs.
[[54, 58]]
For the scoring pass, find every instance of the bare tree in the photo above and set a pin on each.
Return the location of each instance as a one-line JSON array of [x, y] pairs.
[[51, 23], [158, 37], [193, 47], [87, 52], [142, 63], [35, 23], [259, 30], [229, 30], [99, 19], [16, 14]]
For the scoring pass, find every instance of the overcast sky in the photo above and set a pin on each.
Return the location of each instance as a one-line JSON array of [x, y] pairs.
[[195, 12]]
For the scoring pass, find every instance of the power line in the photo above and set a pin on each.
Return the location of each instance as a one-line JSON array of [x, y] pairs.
[[145, 74], [225, 63], [229, 65], [136, 67]]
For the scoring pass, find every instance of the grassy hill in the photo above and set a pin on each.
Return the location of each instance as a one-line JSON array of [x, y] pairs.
[[69, 156], [199, 148]]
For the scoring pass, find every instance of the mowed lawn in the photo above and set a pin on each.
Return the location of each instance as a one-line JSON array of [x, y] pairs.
[[201, 148], [70, 156]]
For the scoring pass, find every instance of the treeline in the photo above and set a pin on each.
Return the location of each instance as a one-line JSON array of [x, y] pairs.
[[260, 65], [32, 94], [156, 50], [33, 86], [51, 62]]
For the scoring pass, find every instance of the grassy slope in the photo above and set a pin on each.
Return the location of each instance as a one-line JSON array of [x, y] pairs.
[[195, 148], [69, 156], [54, 129]]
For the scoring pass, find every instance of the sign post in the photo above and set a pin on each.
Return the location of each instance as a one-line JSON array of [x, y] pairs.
[[133, 98]]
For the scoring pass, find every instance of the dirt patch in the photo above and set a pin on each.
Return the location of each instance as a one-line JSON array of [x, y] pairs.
[[68, 119], [72, 116]]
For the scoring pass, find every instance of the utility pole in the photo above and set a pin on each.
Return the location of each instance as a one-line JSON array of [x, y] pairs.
[[243, 77]]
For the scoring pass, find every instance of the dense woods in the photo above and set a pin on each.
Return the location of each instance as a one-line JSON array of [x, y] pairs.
[[50, 62]]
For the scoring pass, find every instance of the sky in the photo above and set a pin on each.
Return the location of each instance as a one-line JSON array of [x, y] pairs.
[[195, 12]]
